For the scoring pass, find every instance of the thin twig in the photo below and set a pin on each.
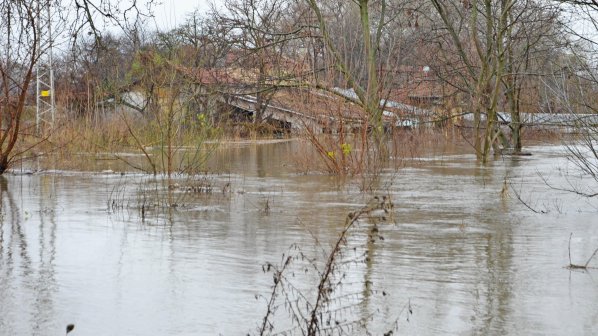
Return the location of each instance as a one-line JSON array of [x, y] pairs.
[[588, 262], [570, 235], [518, 196], [574, 266]]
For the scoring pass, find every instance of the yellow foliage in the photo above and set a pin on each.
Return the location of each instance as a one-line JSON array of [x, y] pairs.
[[346, 148]]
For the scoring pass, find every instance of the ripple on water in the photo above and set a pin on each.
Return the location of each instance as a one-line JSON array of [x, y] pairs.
[[468, 260]]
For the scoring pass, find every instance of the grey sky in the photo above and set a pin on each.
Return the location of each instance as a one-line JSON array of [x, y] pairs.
[[173, 12]]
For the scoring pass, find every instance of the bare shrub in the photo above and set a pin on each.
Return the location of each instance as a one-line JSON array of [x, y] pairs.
[[330, 306]]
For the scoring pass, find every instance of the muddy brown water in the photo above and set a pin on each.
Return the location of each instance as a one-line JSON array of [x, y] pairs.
[[74, 247]]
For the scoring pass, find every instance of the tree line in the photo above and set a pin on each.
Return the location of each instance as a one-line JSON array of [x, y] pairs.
[[472, 56]]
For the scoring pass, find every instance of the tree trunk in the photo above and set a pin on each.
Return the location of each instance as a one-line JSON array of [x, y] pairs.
[[372, 102], [3, 163]]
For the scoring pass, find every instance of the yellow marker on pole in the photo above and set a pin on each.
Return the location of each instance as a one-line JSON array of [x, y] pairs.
[[45, 93]]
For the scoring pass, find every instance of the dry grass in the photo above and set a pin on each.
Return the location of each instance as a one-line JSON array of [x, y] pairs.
[[70, 138], [346, 153]]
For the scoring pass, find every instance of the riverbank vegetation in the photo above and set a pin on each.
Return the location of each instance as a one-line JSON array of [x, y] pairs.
[[347, 77]]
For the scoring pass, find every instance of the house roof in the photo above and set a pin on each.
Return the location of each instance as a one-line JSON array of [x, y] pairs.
[[317, 103], [214, 76]]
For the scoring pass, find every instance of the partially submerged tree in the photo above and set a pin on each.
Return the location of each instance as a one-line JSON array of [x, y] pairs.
[[534, 30], [369, 89], [18, 56], [170, 121], [20, 52], [356, 50], [476, 32], [488, 49]]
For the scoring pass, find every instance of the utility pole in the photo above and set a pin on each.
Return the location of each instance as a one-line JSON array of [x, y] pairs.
[[45, 94]]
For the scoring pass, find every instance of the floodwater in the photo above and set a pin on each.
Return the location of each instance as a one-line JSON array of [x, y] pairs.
[[465, 258]]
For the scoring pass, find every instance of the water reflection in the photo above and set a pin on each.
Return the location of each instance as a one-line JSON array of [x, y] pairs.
[[469, 259], [46, 281], [27, 255]]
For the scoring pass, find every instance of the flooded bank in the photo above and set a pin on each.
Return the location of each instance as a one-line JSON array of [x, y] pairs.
[[467, 257]]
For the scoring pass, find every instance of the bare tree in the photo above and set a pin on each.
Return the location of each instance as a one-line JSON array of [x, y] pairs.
[[355, 50], [18, 56], [534, 29], [368, 91], [572, 88], [20, 51], [258, 31], [476, 32], [91, 17], [490, 50]]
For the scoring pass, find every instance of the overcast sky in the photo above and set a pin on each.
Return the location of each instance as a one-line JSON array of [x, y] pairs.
[[173, 12]]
